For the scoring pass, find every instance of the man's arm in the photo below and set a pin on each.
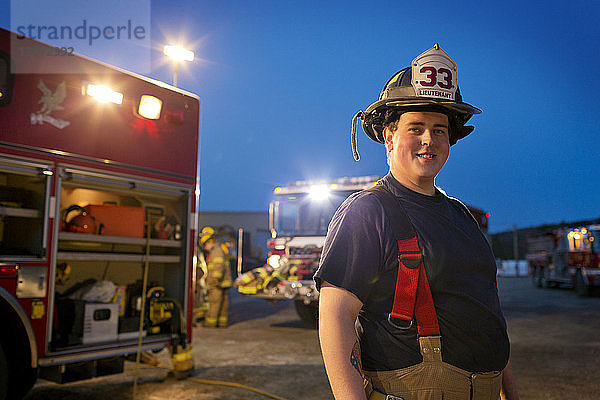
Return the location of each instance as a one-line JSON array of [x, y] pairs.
[[338, 310], [509, 386]]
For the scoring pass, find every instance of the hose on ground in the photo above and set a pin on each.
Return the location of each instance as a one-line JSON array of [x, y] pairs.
[[221, 383]]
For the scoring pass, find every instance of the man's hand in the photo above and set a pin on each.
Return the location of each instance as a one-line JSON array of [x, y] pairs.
[[509, 386]]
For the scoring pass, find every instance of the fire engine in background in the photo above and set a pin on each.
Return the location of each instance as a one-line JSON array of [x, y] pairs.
[[566, 257], [98, 189], [298, 219]]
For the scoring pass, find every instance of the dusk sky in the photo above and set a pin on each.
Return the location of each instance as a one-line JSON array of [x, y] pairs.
[[279, 82]]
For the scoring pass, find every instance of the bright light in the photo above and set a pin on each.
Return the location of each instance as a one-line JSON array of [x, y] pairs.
[[273, 260], [178, 53], [104, 94], [277, 190], [150, 107], [1, 94], [319, 193]]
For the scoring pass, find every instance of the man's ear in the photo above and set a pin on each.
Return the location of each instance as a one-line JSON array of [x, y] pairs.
[[387, 138]]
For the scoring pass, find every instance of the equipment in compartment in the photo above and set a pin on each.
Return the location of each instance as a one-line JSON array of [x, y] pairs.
[[115, 220], [80, 223], [100, 322], [84, 323], [160, 310]]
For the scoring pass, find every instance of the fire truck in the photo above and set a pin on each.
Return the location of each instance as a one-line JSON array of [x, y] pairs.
[[566, 257], [298, 219], [98, 194]]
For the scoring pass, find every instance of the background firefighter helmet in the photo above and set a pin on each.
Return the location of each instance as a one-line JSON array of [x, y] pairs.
[[429, 84], [206, 234]]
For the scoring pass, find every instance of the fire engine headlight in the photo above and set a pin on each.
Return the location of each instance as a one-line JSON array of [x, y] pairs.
[[150, 107]]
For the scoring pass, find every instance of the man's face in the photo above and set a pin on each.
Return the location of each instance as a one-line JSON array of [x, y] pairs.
[[419, 148]]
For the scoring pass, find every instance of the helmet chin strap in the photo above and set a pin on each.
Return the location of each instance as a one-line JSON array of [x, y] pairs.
[[358, 115]]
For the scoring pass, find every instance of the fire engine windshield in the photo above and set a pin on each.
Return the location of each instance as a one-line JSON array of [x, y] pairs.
[[305, 214]]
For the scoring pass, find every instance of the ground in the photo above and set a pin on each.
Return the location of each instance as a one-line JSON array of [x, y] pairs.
[[555, 339]]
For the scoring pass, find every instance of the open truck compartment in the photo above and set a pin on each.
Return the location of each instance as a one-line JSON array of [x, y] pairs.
[[115, 228]]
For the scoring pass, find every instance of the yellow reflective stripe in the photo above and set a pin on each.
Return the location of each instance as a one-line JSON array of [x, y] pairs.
[[247, 289], [394, 79]]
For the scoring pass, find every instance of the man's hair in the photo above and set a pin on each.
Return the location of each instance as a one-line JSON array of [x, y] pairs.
[[391, 118]]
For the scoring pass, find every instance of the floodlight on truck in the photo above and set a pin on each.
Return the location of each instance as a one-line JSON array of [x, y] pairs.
[[319, 193], [103, 94]]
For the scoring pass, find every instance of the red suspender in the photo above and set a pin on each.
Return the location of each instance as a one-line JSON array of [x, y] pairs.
[[412, 297], [407, 280]]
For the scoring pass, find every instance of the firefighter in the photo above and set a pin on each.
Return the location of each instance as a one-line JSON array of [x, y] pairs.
[[406, 268], [218, 278]]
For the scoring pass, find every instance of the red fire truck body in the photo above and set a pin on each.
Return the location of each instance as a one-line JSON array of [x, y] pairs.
[[98, 182]]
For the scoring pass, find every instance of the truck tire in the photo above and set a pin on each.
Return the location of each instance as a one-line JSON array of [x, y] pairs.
[[580, 287], [309, 313], [20, 376], [3, 375], [21, 385]]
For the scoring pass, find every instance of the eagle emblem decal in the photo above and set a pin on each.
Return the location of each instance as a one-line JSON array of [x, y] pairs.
[[50, 101]]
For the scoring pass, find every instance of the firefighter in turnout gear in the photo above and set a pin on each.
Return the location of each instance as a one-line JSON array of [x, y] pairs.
[[218, 278], [408, 303]]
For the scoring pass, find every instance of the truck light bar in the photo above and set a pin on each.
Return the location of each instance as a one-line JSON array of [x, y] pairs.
[[348, 183]]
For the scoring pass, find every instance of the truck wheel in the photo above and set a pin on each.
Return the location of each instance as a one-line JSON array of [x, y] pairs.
[[18, 378], [3, 375], [308, 313], [21, 385], [580, 287]]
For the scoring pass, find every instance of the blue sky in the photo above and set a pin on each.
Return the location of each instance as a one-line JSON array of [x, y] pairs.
[[279, 82]]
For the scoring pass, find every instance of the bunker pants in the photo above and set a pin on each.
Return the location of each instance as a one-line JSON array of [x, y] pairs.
[[432, 379]]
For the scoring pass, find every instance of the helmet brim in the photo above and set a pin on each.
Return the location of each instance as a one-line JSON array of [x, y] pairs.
[[374, 129]]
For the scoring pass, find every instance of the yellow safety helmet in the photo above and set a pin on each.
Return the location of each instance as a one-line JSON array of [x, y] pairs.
[[206, 234]]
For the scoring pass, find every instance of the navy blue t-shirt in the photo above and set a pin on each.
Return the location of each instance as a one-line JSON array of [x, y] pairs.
[[361, 255]]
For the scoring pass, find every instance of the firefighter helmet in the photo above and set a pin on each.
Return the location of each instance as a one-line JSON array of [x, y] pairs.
[[429, 84], [206, 234]]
